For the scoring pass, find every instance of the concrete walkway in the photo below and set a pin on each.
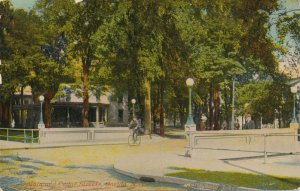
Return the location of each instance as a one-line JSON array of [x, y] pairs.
[[13, 145], [158, 164], [154, 166]]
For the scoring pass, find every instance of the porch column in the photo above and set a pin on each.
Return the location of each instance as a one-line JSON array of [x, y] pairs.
[[106, 114], [97, 116]]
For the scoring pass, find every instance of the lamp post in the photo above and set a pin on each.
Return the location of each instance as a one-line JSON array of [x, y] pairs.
[[233, 111], [133, 101], [294, 123], [190, 83], [41, 122], [190, 126], [294, 90]]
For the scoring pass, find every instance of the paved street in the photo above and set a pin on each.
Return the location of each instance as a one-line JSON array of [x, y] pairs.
[[92, 167], [78, 167]]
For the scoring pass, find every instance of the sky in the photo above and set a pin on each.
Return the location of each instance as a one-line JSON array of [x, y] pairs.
[[25, 4]]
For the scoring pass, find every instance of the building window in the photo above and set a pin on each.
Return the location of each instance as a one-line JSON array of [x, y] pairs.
[[120, 115]]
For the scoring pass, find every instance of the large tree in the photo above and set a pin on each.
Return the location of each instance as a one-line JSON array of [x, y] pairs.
[[77, 22], [136, 33]]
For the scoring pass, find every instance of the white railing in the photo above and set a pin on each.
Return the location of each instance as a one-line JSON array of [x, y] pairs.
[[56, 135], [266, 141], [20, 135]]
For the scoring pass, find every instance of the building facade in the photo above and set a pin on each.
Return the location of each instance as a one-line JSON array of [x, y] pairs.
[[67, 111]]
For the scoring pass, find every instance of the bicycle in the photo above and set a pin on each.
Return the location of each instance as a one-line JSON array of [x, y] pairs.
[[134, 138]]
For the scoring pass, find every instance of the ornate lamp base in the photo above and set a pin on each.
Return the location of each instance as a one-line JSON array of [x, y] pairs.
[[189, 129], [294, 125], [41, 126]]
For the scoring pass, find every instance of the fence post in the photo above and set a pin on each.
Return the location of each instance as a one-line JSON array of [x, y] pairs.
[[38, 136], [24, 136], [31, 135], [265, 148]]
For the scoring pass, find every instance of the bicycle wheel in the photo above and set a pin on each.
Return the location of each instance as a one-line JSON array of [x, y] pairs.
[[131, 140], [137, 140]]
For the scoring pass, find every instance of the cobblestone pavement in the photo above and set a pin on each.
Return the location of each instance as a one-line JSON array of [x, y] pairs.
[[77, 168]]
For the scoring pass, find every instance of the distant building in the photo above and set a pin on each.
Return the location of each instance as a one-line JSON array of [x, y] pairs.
[[292, 71], [67, 111], [289, 64]]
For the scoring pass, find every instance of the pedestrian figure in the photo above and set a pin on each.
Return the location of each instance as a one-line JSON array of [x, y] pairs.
[[224, 125], [249, 122], [237, 124], [202, 123]]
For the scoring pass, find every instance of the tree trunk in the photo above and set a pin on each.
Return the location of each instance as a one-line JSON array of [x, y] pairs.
[[155, 109], [210, 108], [5, 114], [48, 107], [147, 86], [1, 112], [161, 111], [174, 118], [216, 108], [22, 110], [279, 118], [85, 108]]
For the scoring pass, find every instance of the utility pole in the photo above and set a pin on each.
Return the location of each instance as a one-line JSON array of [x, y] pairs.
[[232, 104]]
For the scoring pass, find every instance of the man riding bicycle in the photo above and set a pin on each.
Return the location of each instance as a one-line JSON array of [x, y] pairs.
[[134, 126]]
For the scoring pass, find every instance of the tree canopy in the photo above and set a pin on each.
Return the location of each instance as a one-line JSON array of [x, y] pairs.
[[148, 49]]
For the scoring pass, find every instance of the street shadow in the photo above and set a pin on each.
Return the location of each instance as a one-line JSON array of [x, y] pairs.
[[175, 136]]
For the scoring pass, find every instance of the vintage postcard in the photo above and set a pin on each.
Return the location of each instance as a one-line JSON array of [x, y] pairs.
[[148, 95]]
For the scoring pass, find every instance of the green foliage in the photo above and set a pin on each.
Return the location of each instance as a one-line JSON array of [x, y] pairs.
[[5, 22], [22, 39], [123, 44], [264, 98], [289, 25]]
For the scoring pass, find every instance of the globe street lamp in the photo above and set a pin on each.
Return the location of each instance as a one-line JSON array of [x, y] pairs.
[[190, 126], [133, 101], [41, 122], [294, 123], [190, 83]]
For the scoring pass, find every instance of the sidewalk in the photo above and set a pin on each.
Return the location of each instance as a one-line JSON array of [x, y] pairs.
[[13, 145], [154, 166]]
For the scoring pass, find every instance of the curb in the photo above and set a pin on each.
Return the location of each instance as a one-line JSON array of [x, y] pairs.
[[40, 146], [193, 184]]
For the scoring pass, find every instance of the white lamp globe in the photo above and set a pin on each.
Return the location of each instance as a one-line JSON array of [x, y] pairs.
[[41, 98], [190, 82], [133, 101], [293, 89]]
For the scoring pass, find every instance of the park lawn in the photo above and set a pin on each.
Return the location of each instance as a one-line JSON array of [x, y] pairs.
[[239, 179]]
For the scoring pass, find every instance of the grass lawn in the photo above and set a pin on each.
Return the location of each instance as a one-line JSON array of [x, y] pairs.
[[238, 179]]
